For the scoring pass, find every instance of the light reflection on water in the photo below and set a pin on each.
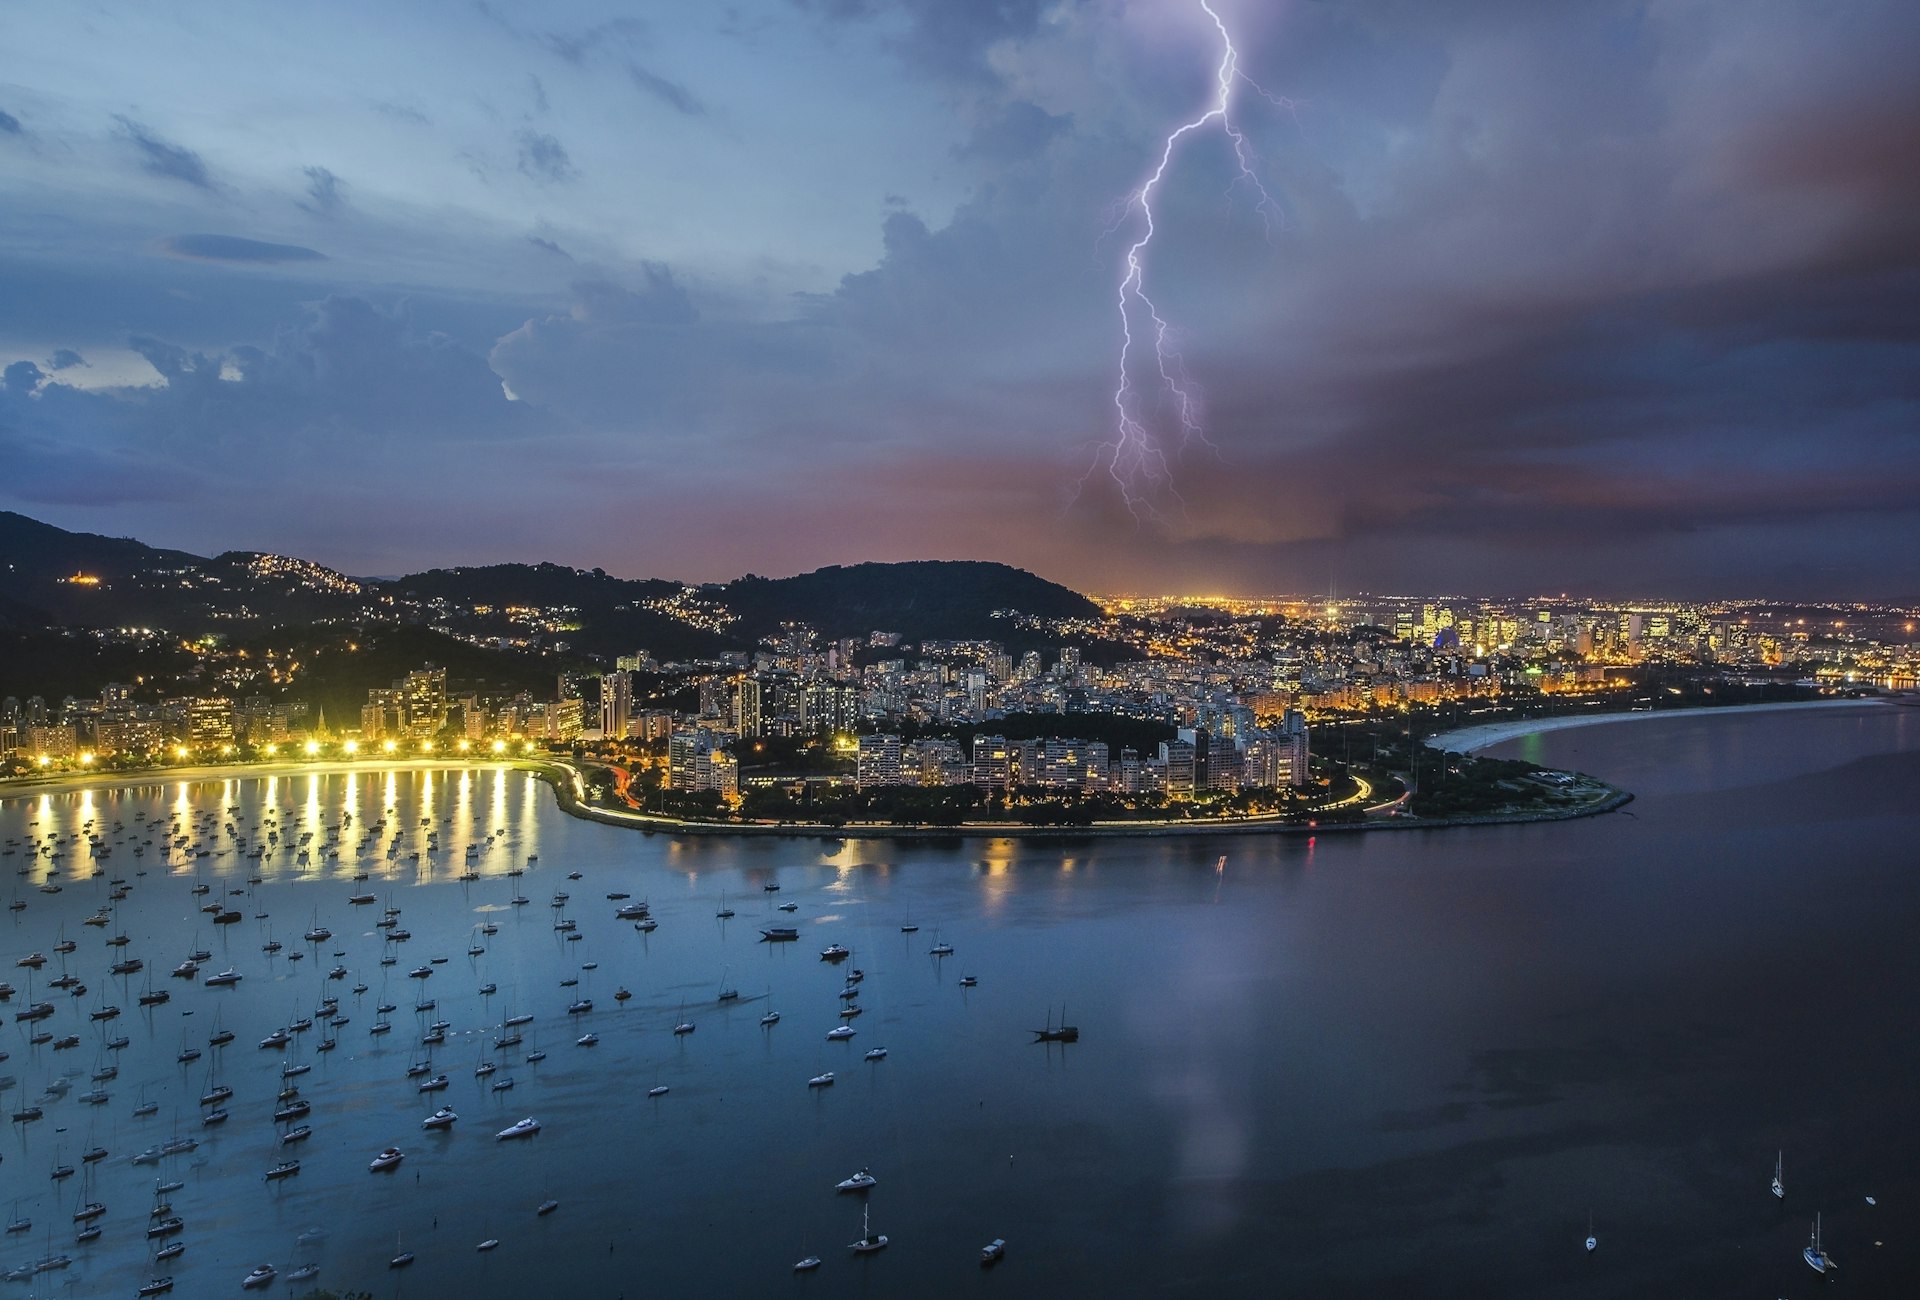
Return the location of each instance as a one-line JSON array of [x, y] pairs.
[[1407, 1061]]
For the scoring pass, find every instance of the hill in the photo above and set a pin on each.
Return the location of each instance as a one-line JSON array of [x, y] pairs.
[[919, 599]]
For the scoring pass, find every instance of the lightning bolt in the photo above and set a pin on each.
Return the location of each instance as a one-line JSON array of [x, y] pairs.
[[1139, 457]]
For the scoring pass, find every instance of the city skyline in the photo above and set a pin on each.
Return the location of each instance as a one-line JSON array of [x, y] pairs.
[[1616, 300]]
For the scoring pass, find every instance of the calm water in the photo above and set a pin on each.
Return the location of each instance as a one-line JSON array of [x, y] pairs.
[[1403, 1064]]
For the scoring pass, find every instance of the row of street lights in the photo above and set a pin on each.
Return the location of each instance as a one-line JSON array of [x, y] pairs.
[[319, 749]]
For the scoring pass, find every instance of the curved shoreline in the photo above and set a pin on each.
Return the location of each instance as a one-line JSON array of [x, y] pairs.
[[567, 790], [1471, 740]]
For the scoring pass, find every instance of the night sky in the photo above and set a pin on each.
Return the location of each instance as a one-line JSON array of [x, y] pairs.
[[1609, 298]]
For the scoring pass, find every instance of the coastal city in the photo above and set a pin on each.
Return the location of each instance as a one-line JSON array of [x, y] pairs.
[[1138, 707]]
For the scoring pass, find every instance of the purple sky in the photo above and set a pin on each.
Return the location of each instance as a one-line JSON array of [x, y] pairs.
[[1612, 298]]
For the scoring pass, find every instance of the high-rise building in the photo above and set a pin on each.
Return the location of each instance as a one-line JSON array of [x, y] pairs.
[[424, 698], [616, 704], [878, 762]]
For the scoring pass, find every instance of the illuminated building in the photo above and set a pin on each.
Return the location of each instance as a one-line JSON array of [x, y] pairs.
[[616, 703], [879, 761]]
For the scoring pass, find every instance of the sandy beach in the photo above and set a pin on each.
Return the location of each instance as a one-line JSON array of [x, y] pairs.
[[1471, 740]]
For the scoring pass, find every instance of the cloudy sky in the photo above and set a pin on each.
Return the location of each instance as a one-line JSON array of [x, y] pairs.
[[1620, 298]]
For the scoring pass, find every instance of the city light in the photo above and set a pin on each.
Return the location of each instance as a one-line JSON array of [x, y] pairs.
[[465, 746], [43, 760], [269, 750], [313, 747], [426, 746], [499, 746], [86, 760], [389, 746], [352, 746], [180, 751]]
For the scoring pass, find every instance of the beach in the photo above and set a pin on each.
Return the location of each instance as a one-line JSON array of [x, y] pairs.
[[1471, 740]]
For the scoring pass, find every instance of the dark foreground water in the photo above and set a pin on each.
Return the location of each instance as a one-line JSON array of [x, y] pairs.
[[1404, 1064]]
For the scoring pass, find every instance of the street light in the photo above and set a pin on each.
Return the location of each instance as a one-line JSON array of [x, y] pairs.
[[313, 747], [499, 746], [352, 746], [389, 747]]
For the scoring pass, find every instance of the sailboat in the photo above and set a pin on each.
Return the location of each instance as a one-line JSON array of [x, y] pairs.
[[1814, 1254], [727, 994], [1063, 1033], [1779, 1188], [1593, 1242], [868, 1242]]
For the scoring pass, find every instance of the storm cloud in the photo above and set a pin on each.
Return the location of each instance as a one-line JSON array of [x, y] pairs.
[[1621, 298]]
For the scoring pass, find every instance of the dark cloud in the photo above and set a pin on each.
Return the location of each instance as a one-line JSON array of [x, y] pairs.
[[323, 192], [671, 93], [164, 158], [233, 248], [549, 246], [9, 124], [544, 158], [21, 377], [1014, 132], [65, 359], [950, 38]]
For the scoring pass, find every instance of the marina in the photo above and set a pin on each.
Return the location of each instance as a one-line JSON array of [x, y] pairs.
[[988, 1114]]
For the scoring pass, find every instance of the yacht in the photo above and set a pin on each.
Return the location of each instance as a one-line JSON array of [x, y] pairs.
[[260, 1277], [586, 1040], [631, 912], [1779, 1188], [835, 952], [780, 934], [172, 1250], [167, 1227], [518, 1129], [968, 981], [869, 1241], [442, 1118], [1815, 1254], [941, 950], [771, 1018], [304, 1272], [488, 1244], [225, 977], [159, 1286], [547, 1207], [285, 1169], [437, 1083], [580, 1008], [807, 1265], [840, 1032], [877, 1054], [821, 1080], [518, 1020], [859, 1182], [300, 1134], [658, 1090], [388, 1159], [1593, 1242], [647, 926], [993, 1251]]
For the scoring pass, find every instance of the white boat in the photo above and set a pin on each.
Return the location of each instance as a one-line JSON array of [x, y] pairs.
[[442, 1118], [840, 1032], [387, 1159], [586, 1040], [877, 1054], [1593, 1242], [771, 1018], [488, 1244], [304, 1272], [1815, 1254], [518, 1129], [259, 1277], [807, 1265], [821, 1080], [993, 1251], [1779, 1188], [859, 1182], [228, 976], [869, 1241]]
